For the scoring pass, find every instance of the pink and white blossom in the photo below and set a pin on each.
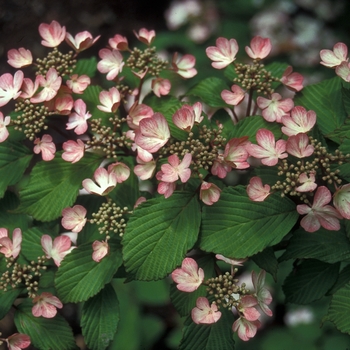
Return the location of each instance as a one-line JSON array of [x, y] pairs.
[[336, 57], [262, 295], [29, 88], [341, 201], [165, 188], [8, 247], [73, 151], [153, 133], [299, 121], [46, 147], [292, 81], [104, 182], [204, 313], [77, 120], [175, 169], [161, 87], [74, 219], [246, 307], [56, 249], [19, 58], [136, 113], [299, 146], [46, 305], [223, 53], [78, 84], [268, 150], [111, 63], [343, 71], [119, 42], [121, 170], [236, 154], [50, 86], [233, 262], [53, 34], [275, 108], [209, 193], [184, 65], [110, 100], [100, 250], [235, 97], [256, 191], [81, 41], [18, 341], [259, 48], [4, 133], [245, 329], [307, 182], [145, 170], [145, 36], [189, 277], [320, 213], [220, 168], [10, 87], [184, 118]]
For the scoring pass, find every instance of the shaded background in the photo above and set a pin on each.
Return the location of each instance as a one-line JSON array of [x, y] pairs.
[[299, 29]]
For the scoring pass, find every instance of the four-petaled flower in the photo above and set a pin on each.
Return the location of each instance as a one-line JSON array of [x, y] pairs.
[[145, 36], [223, 53], [121, 170], [343, 71], [100, 250], [263, 296], [78, 83], [111, 63], [110, 100], [299, 121], [205, 313], [319, 214], [8, 247], [56, 249], [259, 48], [161, 87], [45, 146], [275, 108], [292, 81], [74, 219], [189, 277], [184, 65], [19, 58], [81, 41], [18, 341], [176, 169], [307, 183], [46, 305], [209, 193], [73, 151], [336, 57], [235, 97], [53, 34], [298, 146], [256, 191], [119, 42], [77, 120], [106, 181], [245, 329], [10, 87], [50, 86]]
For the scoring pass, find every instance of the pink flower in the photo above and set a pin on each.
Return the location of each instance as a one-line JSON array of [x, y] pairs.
[[138, 112], [174, 170], [246, 329], [53, 34], [77, 120], [205, 313], [184, 65], [28, 88], [223, 53], [166, 188], [343, 71], [10, 87], [320, 214], [73, 151], [263, 296], [19, 58], [219, 167], [58, 249], [189, 277], [100, 250], [246, 307], [46, 305], [74, 219], [256, 191], [235, 153], [341, 200], [153, 133], [334, 58], [106, 181], [121, 170], [62, 105], [145, 36], [18, 341], [298, 146], [3, 130], [267, 149], [110, 100], [260, 48], [233, 262], [10, 247], [119, 42], [307, 184], [235, 97], [209, 193], [275, 108], [161, 87], [81, 42], [50, 86], [78, 84], [139, 201], [46, 147], [293, 81], [111, 63], [299, 121]]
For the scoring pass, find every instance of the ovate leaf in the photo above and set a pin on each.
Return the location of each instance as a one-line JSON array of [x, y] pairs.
[[237, 227], [100, 318], [159, 234]]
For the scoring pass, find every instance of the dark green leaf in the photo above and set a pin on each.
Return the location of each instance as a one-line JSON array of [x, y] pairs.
[[343, 279], [6, 300], [86, 66], [267, 261]]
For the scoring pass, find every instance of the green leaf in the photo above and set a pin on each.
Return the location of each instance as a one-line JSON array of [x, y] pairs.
[[310, 281], [86, 66], [267, 261], [45, 333], [54, 186], [167, 105], [339, 309], [322, 245], [325, 98], [237, 227], [14, 160], [208, 336], [343, 279], [31, 243], [100, 317], [79, 277], [91, 98], [277, 69], [209, 91], [6, 300], [159, 234]]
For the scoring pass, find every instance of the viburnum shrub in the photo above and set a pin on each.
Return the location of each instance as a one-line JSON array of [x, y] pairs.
[[143, 179]]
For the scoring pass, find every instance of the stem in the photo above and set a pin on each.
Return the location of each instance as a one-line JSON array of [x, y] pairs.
[[250, 98]]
